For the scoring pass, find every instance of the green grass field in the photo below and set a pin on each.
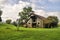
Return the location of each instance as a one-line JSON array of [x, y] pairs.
[[28, 33]]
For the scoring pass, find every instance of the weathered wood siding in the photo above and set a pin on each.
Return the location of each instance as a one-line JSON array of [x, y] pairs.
[[39, 23], [29, 23]]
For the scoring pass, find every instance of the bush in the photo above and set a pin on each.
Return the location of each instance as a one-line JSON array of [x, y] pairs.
[[54, 21], [8, 21]]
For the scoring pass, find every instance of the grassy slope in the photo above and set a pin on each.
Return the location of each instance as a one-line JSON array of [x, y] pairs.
[[28, 33]]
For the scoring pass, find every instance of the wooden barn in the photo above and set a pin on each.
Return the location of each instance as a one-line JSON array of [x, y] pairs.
[[37, 21]]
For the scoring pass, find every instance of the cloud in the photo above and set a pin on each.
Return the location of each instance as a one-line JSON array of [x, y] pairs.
[[11, 11], [46, 14], [54, 14], [3, 1], [41, 13]]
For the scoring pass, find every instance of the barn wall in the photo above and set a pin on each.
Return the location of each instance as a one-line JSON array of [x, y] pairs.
[[39, 23], [29, 23]]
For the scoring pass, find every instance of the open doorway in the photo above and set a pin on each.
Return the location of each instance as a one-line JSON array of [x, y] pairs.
[[34, 21], [34, 25]]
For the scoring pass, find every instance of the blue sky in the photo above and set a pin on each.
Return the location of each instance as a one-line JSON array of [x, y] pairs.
[[11, 8], [49, 6], [46, 4]]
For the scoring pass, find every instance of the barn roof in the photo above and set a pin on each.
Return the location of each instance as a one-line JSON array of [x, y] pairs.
[[41, 17], [45, 20]]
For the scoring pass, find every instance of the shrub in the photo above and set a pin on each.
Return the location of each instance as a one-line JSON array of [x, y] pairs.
[[8, 21]]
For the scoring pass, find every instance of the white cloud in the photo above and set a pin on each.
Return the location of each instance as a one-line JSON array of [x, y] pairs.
[[41, 12], [46, 14], [54, 14], [11, 11], [2, 1]]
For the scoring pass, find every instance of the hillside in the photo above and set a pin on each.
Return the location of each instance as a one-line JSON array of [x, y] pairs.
[[28, 33]]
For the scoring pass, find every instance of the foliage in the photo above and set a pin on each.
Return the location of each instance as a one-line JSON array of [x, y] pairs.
[[8, 21], [24, 15], [53, 18], [51, 21], [0, 15], [54, 21]]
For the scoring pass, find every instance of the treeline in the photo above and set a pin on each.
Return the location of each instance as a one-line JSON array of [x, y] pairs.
[[51, 21]]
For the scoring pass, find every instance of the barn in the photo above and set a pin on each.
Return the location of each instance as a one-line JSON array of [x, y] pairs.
[[35, 21]]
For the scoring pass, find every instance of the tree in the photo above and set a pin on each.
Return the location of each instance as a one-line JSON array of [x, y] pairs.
[[0, 15], [54, 21], [0, 19], [8, 21], [24, 15]]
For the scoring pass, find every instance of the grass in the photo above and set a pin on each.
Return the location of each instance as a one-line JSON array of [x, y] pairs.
[[28, 33]]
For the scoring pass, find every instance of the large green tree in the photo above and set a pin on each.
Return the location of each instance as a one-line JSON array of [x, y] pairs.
[[24, 15]]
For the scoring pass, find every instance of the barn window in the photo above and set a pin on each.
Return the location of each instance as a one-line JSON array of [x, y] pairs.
[[33, 18], [38, 23], [29, 23]]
